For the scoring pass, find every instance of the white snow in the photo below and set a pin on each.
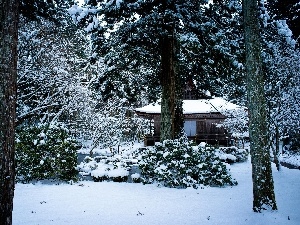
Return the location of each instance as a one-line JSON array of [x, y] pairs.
[[119, 172], [227, 156], [195, 106], [112, 203], [99, 172], [291, 159], [118, 3], [135, 176], [284, 30]]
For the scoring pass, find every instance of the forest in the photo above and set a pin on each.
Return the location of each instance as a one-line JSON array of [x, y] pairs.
[[74, 73]]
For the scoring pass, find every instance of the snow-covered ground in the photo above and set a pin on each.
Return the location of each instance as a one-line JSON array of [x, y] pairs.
[[292, 159], [112, 203]]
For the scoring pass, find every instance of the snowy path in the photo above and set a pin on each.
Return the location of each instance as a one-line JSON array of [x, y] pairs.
[[137, 204]]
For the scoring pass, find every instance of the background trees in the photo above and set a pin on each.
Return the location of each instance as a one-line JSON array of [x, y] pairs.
[[53, 80], [58, 85], [281, 63], [289, 11]]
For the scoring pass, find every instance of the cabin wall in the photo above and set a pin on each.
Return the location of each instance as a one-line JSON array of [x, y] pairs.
[[156, 125], [199, 127], [205, 124]]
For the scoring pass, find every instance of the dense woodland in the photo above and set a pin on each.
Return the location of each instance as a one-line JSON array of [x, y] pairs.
[[83, 68], [79, 73]]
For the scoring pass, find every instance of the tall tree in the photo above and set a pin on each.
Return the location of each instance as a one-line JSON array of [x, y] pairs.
[[168, 42], [213, 52], [9, 17], [263, 185], [171, 97]]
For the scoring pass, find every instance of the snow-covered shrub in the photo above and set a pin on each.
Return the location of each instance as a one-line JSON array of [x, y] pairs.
[[233, 154], [100, 173], [136, 178], [119, 174], [102, 168], [45, 152], [180, 164]]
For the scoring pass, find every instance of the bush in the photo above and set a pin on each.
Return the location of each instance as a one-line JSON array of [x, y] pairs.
[[233, 154], [180, 164], [45, 152], [102, 168]]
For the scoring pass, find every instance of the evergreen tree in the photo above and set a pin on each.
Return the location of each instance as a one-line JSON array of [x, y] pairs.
[[263, 186], [53, 10], [165, 43], [213, 53]]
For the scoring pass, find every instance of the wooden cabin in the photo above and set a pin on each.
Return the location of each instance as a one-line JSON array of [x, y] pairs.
[[201, 118], [201, 113]]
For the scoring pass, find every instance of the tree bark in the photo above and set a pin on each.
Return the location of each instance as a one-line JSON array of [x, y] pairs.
[[263, 185], [276, 151], [8, 77], [171, 99]]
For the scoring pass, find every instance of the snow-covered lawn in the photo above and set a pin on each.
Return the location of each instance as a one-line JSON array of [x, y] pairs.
[[127, 203]]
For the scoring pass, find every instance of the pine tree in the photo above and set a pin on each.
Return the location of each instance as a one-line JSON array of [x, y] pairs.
[[263, 186], [213, 52]]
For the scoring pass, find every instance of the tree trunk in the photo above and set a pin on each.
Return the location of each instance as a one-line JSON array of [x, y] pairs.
[[171, 99], [8, 77], [263, 186], [276, 153]]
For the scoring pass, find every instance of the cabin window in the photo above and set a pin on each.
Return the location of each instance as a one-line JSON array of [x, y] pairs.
[[190, 128]]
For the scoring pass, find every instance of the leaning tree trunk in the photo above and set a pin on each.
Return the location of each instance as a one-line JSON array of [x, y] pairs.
[[8, 77], [171, 99], [263, 186]]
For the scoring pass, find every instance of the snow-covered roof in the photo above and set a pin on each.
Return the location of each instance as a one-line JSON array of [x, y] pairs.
[[212, 105]]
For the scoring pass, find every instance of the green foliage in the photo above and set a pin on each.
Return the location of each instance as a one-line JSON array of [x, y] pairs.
[[180, 164], [45, 152]]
